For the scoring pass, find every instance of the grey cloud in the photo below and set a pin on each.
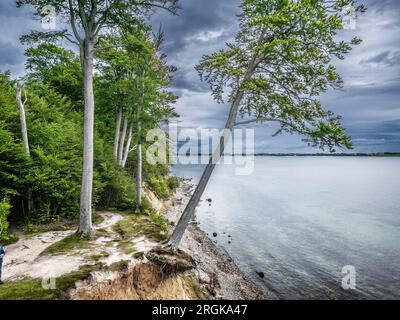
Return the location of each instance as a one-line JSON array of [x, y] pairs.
[[382, 6], [385, 88], [369, 105], [385, 58], [201, 28], [10, 54]]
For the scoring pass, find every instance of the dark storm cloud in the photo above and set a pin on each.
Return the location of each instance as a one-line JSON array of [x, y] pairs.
[[196, 17], [10, 54], [201, 28], [388, 88], [376, 136], [369, 104], [14, 22], [387, 58]]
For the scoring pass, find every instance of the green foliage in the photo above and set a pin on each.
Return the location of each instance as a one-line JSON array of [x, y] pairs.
[[59, 68], [150, 225], [5, 236], [44, 187], [159, 186], [118, 190], [158, 220], [32, 289], [68, 244], [51, 176], [280, 62], [173, 183], [146, 205], [54, 172]]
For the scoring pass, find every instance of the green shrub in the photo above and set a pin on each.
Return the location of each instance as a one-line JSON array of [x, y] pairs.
[[146, 205], [45, 187], [117, 190], [159, 186], [173, 183], [157, 219], [5, 237]]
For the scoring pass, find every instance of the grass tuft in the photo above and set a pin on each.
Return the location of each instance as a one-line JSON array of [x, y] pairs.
[[32, 289], [68, 244]]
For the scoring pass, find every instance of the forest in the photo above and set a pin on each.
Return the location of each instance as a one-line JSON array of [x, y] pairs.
[[40, 180]]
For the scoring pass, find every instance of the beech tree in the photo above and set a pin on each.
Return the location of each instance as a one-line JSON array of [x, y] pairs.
[[21, 101], [132, 63], [85, 20], [274, 71], [58, 67]]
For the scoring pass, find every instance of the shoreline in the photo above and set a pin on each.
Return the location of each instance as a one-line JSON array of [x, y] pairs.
[[218, 275]]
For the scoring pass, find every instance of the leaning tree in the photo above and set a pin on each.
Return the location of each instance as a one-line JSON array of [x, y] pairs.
[[83, 21], [274, 71]]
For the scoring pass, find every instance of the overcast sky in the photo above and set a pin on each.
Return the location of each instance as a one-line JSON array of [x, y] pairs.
[[369, 104]]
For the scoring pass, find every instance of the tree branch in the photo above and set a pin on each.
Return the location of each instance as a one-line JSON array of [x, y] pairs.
[[73, 22]]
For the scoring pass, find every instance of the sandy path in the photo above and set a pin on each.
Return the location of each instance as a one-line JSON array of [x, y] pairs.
[[23, 258]]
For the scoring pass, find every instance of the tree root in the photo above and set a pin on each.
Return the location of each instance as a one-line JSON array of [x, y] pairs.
[[170, 262]]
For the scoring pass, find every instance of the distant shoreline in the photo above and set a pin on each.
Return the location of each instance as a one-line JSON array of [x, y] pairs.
[[377, 154]]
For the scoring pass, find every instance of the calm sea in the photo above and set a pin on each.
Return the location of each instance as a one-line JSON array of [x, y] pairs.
[[300, 220]]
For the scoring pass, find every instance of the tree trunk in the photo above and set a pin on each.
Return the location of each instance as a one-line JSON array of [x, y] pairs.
[[117, 133], [139, 179], [24, 134], [122, 141], [85, 225], [21, 105], [127, 146], [139, 146], [201, 186]]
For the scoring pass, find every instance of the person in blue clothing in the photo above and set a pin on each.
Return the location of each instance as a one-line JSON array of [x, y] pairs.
[[2, 253]]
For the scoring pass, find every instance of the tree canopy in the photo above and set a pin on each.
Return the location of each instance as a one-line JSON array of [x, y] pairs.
[[280, 62]]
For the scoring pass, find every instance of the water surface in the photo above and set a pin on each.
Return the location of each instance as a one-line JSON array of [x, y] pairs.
[[300, 220]]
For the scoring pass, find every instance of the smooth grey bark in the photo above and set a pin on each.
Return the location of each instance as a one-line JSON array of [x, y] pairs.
[[21, 105], [139, 154], [122, 141], [139, 179], [85, 224], [127, 146], [24, 131], [139, 165], [189, 211], [117, 132]]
